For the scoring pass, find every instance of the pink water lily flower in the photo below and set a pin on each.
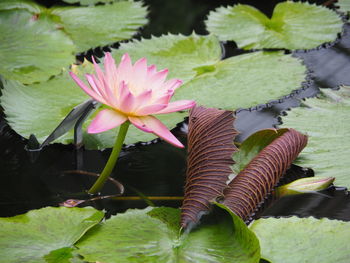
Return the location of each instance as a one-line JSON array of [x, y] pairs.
[[134, 93]]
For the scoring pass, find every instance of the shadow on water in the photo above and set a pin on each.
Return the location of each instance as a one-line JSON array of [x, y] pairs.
[[154, 173]]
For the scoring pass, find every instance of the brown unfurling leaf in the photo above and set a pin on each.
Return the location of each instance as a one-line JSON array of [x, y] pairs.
[[210, 149], [250, 187]]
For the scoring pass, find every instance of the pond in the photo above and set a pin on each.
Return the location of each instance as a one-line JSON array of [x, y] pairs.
[[266, 90]]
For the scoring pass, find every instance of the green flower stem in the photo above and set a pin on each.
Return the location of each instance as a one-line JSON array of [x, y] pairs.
[[112, 159]]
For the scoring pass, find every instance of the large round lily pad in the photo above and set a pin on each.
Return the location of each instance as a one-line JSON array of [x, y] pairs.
[[100, 25], [293, 25], [302, 240], [48, 232], [31, 59], [153, 235], [227, 84], [326, 121]]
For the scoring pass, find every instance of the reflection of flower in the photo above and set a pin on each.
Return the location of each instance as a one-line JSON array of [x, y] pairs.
[[134, 93]]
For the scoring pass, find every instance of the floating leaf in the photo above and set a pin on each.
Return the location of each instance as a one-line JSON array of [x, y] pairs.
[[210, 149], [88, 2], [103, 24], [251, 146], [344, 5], [184, 56], [252, 185], [326, 120], [28, 5], [234, 79], [48, 232], [35, 117], [292, 26], [303, 239], [246, 80], [152, 235], [30, 59], [224, 84]]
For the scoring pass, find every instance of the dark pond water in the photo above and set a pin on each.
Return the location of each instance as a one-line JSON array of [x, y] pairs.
[[154, 173]]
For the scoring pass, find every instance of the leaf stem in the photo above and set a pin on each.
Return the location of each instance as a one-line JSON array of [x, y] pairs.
[[112, 159]]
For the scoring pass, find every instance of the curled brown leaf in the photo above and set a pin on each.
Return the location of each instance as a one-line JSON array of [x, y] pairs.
[[250, 187], [210, 149]]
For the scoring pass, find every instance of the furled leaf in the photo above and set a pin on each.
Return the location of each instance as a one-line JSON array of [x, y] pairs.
[[252, 185], [294, 25], [48, 232], [296, 239], [344, 5], [210, 148], [326, 120], [153, 235], [103, 24], [32, 48], [251, 146]]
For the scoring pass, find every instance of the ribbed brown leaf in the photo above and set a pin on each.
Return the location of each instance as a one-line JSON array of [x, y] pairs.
[[210, 149], [250, 187]]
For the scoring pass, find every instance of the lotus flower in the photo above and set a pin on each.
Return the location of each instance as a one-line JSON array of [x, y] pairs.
[[133, 93]]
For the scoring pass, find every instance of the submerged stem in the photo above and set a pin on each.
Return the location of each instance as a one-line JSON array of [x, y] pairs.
[[112, 159]]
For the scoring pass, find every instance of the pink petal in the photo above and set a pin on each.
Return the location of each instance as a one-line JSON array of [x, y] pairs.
[[109, 96], [150, 109], [99, 72], [172, 84], [106, 120], [94, 85], [111, 69], [140, 68], [125, 68], [158, 128], [139, 124], [87, 90], [177, 106], [156, 81], [164, 99], [127, 99], [143, 98], [151, 70], [138, 83]]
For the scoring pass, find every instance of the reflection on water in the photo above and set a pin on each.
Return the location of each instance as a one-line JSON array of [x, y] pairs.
[[155, 170], [333, 203]]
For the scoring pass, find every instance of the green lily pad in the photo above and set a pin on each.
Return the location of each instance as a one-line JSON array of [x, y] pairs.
[[244, 81], [88, 2], [251, 146], [153, 235], [303, 239], [294, 25], [227, 84], [344, 5], [223, 84], [326, 121], [45, 233], [184, 56], [31, 59], [100, 25], [61, 94], [28, 5]]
